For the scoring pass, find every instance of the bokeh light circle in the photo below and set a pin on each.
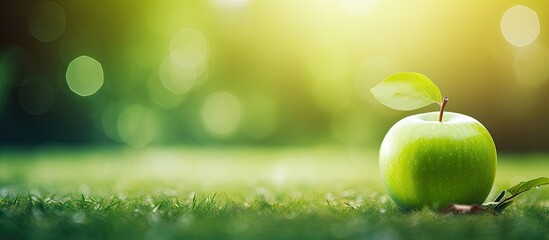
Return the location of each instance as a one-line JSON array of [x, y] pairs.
[[221, 114], [109, 118], [47, 21], [84, 75], [179, 82], [162, 96], [189, 37], [35, 96], [186, 62], [520, 25], [136, 126]]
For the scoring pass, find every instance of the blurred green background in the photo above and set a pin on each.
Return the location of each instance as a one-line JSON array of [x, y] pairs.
[[269, 73]]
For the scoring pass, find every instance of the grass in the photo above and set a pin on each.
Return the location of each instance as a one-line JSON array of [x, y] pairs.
[[313, 193]]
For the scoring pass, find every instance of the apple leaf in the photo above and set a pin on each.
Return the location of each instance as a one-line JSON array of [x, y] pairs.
[[525, 186], [407, 91], [505, 198], [502, 201]]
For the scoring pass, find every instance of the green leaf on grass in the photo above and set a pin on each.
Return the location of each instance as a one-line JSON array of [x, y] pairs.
[[525, 186], [407, 91], [505, 198]]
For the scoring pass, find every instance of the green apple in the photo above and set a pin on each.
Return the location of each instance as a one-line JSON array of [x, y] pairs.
[[430, 163]]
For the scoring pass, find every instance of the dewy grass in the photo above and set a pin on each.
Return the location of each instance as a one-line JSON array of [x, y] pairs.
[[218, 216], [238, 194]]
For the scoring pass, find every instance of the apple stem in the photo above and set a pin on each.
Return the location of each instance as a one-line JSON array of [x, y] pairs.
[[442, 105]]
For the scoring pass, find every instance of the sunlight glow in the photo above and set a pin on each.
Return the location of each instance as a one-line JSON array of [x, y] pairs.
[[358, 7], [520, 25]]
